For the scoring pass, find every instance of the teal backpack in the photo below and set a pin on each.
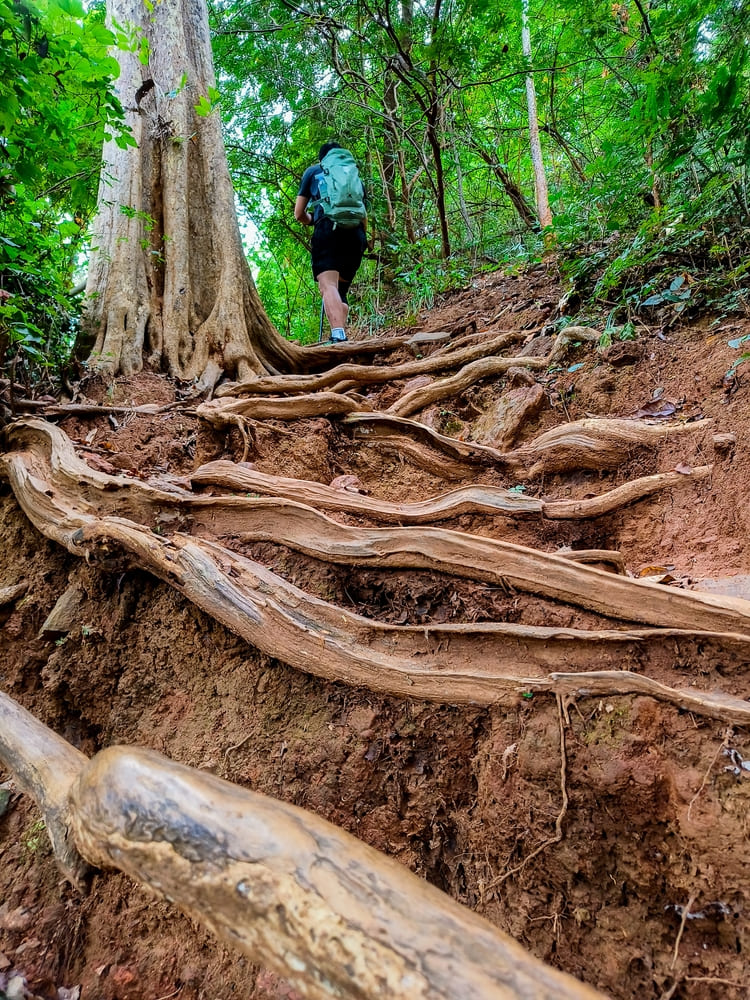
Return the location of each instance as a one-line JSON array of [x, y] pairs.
[[342, 196]]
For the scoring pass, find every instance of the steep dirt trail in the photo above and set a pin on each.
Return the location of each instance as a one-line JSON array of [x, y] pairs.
[[598, 820]]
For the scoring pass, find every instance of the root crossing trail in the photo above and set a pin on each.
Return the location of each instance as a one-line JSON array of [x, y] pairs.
[[452, 585]]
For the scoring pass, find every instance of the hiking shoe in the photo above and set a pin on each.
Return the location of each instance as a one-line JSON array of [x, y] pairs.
[[338, 336]]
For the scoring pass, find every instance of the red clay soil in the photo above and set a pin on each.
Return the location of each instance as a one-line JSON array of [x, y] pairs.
[[647, 892]]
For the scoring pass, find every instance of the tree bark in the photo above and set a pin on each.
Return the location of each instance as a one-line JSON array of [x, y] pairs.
[[168, 279], [540, 178]]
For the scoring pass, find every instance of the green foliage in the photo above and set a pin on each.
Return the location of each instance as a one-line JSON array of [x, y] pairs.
[[642, 112], [55, 104]]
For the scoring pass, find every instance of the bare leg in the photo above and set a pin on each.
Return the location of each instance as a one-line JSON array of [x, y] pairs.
[[336, 310]]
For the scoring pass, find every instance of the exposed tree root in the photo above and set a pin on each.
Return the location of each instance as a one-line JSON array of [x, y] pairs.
[[307, 530], [485, 367], [477, 360], [715, 705], [334, 917], [216, 411], [9, 595], [362, 374], [379, 426], [45, 767], [408, 452], [322, 357], [596, 557], [570, 335], [465, 500], [480, 664], [621, 496], [593, 443]]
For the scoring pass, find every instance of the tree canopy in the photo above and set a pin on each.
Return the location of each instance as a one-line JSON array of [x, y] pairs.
[[640, 111]]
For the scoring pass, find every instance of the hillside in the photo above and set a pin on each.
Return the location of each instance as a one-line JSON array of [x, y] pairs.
[[598, 821]]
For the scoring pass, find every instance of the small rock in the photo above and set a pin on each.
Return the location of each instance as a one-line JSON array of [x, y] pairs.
[[623, 352], [502, 423], [537, 347], [15, 920], [724, 442], [62, 617], [73, 993], [520, 376], [121, 975], [15, 989], [361, 719]]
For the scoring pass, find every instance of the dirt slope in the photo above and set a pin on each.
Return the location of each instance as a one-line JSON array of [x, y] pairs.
[[608, 835]]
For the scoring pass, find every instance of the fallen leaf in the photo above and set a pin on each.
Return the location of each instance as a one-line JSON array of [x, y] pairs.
[[686, 470], [350, 484], [657, 408], [652, 571]]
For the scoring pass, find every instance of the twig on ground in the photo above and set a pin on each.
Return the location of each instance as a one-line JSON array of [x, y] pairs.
[[167, 996], [714, 979], [683, 921], [727, 734], [237, 746]]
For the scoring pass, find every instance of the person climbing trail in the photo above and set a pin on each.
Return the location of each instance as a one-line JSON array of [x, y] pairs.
[[333, 189]]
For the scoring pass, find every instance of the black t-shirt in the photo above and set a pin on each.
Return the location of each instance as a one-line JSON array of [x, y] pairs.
[[310, 188]]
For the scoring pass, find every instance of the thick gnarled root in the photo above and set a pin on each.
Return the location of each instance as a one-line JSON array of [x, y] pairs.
[[331, 915], [33, 476], [361, 375], [464, 500], [459, 664], [597, 443]]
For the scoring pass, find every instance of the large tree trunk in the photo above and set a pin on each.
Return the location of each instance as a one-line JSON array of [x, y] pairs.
[[168, 278]]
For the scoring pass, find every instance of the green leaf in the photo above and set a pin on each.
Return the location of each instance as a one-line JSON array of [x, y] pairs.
[[72, 7], [203, 108]]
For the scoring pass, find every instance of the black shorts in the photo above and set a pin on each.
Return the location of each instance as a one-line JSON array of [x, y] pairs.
[[337, 249]]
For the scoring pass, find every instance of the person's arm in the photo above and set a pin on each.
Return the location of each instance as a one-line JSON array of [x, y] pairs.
[[300, 211]]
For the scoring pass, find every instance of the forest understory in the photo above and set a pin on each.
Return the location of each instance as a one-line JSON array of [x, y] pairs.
[[434, 550]]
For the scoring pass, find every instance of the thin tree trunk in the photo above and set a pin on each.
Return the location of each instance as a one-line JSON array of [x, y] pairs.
[[434, 122], [514, 192], [540, 178], [390, 165]]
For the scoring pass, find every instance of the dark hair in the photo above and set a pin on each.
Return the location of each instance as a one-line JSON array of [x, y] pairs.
[[327, 147]]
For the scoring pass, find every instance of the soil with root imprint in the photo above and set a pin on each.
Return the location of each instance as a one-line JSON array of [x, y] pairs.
[[606, 832]]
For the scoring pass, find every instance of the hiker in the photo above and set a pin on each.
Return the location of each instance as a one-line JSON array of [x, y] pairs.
[[333, 189]]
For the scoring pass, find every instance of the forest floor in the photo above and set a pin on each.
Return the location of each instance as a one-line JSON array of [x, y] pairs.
[[646, 893]]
